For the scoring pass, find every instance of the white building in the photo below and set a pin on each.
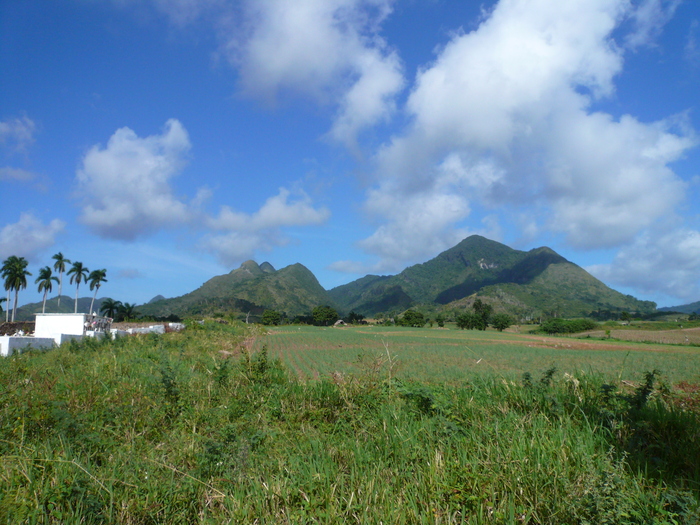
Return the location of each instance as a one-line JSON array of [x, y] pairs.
[[55, 329]]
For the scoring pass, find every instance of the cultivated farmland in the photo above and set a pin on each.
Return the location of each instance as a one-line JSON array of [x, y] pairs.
[[455, 356]]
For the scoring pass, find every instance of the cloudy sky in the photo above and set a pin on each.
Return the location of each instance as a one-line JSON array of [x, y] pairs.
[[170, 140]]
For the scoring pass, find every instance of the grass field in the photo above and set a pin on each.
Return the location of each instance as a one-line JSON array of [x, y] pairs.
[[387, 425], [456, 356]]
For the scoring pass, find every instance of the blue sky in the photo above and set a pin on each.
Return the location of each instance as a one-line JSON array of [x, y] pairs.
[[170, 140]]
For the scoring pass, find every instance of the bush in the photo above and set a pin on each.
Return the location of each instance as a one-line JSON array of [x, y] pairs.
[[567, 326]]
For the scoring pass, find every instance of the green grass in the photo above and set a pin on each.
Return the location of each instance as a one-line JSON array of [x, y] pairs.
[[171, 429], [457, 356]]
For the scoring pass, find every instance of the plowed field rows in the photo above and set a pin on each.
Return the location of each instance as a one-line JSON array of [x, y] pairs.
[[456, 355]]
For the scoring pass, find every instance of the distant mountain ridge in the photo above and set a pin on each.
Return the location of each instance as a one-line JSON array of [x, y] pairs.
[[532, 283], [692, 308], [249, 288], [536, 282]]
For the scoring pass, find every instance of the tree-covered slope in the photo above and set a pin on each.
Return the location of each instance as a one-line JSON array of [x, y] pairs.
[[293, 289], [536, 282]]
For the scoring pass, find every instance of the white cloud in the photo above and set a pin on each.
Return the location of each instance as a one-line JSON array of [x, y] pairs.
[[666, 263], [16, 174], [329, 50], [502, 117], [648, 18], [17, 134], [125, 186], [28, 237], [245, 234]]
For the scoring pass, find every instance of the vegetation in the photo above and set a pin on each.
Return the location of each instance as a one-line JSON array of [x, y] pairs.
[[60, 267], [171, 429], [45, 282], [271, 318], [567, 326], [96, 278], [78, 273], [293, 290], [14, 272], [412, 319], [324, 315]]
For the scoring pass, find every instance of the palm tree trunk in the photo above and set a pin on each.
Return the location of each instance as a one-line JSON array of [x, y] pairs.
[[60, 289], [77, 287], [14, 309], [43, 306], [7, 311], [92, 303]]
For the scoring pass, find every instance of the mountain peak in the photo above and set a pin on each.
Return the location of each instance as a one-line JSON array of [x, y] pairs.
[[267, 267]]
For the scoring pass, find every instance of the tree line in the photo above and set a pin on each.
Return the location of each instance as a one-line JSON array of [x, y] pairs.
[[14, 274]]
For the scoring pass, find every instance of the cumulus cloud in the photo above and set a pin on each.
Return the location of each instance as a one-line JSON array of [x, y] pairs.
[[28, 237], [125, 186], [242, 234], [329, 50], [667, 263], [503, 117]]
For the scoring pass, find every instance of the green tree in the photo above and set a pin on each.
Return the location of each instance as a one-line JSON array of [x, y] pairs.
[[501, 321], [78, 274], [355, 318], [324, 315], [45, 281], [96, 278], [467, 321], [14, 271], [411, 318], [110, 307], [483, 313], [2, 300], [440, 320], [60, 267], [6, 270], [271, 318], [126, 312]]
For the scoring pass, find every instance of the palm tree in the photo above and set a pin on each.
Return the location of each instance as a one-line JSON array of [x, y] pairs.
[[60, 267], [2, 300], [96, 278], [127, 311], [15, 273], [78, 273], [110, 307], [45, 282], [6, 271]]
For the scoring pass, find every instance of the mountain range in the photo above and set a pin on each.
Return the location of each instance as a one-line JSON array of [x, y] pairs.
[[523, 283]]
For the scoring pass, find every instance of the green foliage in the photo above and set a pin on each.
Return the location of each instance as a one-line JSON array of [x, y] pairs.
[[271, 318], [170, 429], [324, 315], [567, 326], [501, 321], [411, 318], [355, 318]]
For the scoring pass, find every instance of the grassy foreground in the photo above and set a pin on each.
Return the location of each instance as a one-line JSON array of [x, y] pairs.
[[186, 428]]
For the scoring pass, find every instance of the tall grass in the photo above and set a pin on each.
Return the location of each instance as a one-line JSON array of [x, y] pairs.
[[168, 429]]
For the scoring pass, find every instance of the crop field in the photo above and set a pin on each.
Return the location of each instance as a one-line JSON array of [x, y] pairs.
[[455, 356], [203, 427]]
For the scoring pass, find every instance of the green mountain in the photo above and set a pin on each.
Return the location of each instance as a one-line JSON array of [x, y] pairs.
[[26, 312], [692, 308], [250, 288], [531, 283]]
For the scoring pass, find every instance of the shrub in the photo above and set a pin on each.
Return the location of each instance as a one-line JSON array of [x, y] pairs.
[[567, 326]]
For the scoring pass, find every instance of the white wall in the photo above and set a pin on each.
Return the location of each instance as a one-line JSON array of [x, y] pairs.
[[52, 325], [10, 344]]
